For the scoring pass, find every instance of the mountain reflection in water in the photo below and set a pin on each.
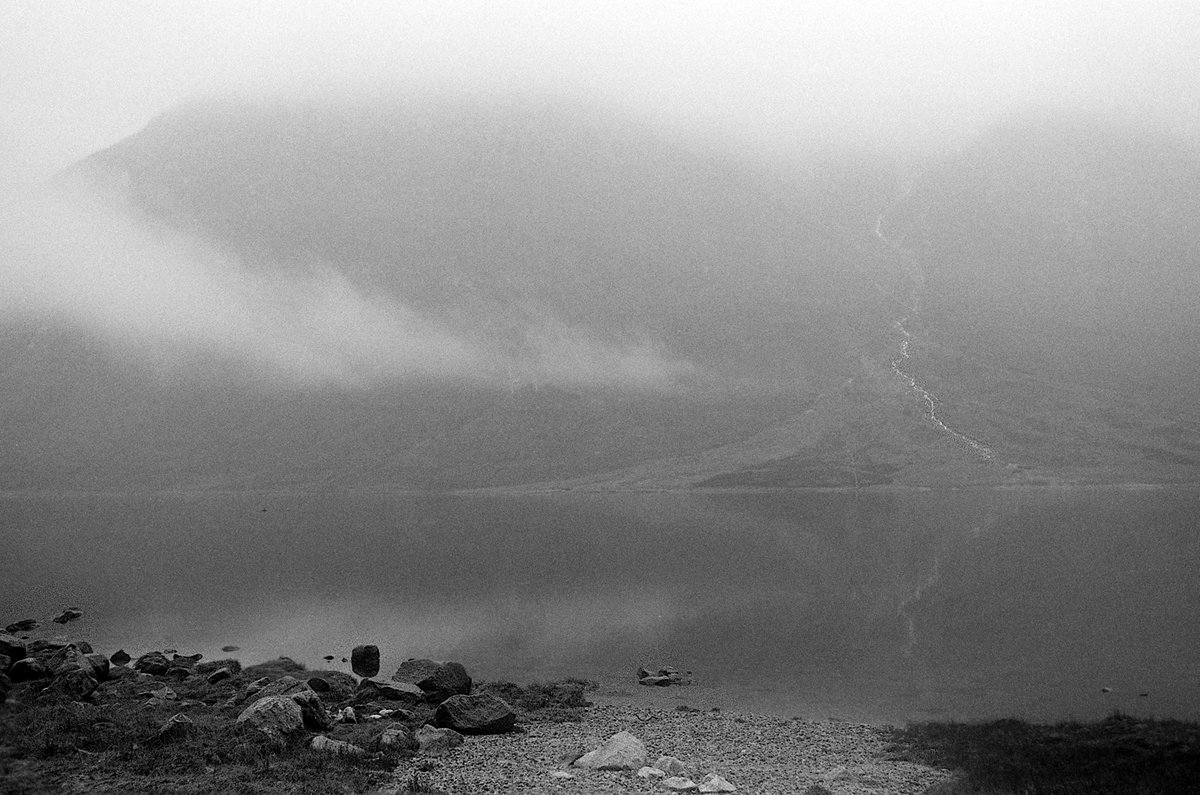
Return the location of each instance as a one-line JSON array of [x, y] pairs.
[[877, 606]]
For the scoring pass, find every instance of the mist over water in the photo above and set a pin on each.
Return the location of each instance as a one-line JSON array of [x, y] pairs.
[[879, 607]]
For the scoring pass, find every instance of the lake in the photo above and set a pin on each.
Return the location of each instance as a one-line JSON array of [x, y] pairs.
[[879, 606]]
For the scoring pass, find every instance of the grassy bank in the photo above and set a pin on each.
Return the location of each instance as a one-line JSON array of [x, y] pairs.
[[1120, 754]]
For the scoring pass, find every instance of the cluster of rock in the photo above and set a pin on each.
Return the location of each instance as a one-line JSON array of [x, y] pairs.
[[624, 751], [664, 677], [427, 706]]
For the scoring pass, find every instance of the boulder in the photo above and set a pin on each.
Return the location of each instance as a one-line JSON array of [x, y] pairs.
[[228, 649], [178, 672], [99, 665], [432, 741], [478, 713], [154, 663], [347, 715], [670, 765], [120, 657], [186, 660], [277, 716], [318, 684], [120, 672], [381, 690], [364, 660], [41, 646], [24, 625], [326, 745], [12, 647], [655, 681], [650, 772], [679, 784], [622, 751], [714, 783], [312, 711], [176, 727], [74, 683], [438, 680], [283, 686], [209, 666], [28, 669], [218, 675], [84, 646]]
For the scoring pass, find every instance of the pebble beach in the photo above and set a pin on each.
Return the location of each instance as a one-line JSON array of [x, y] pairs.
[[760, 754]]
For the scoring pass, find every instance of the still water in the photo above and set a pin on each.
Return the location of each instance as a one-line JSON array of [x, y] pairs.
[[864, 606]]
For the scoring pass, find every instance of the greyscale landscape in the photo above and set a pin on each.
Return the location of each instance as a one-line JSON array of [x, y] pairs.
[[719, 397]]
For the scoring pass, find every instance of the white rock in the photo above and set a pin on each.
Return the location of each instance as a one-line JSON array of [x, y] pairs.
[[714, 783], [679, 784], [622, 751], [670, 765], [650, 772]]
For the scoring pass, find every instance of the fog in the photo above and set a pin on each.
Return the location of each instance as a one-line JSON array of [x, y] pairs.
[[79, 76], [766, 79], [71, 256]]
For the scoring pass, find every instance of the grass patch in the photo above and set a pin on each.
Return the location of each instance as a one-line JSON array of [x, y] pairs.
[[562, 701], [1120, 754], [111, 743]]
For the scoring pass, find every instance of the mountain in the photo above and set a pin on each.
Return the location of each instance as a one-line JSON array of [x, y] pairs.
[[531, 294], [584, 294]]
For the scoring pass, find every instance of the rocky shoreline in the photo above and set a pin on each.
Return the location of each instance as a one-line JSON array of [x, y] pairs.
[[427, 728]]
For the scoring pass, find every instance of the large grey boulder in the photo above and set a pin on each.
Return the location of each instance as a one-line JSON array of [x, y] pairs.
[[278, 716], [478, 713], [261, 688], [154, 663], [364, 660], [438, 680], [622, 751]]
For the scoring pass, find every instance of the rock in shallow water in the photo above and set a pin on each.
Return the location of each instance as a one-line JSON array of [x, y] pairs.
[[364, 660]]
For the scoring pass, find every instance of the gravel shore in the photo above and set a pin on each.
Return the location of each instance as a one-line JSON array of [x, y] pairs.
[[757, 753]]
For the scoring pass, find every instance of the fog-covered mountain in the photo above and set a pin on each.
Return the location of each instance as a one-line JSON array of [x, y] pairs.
[[447, 295]]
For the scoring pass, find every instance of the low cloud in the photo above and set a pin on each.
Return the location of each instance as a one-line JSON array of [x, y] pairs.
[[72, 258]]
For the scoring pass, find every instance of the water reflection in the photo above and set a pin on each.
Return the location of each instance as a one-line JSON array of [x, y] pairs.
[[892, 605]]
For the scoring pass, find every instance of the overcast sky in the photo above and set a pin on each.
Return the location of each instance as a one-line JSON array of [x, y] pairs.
[[77, 76]]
